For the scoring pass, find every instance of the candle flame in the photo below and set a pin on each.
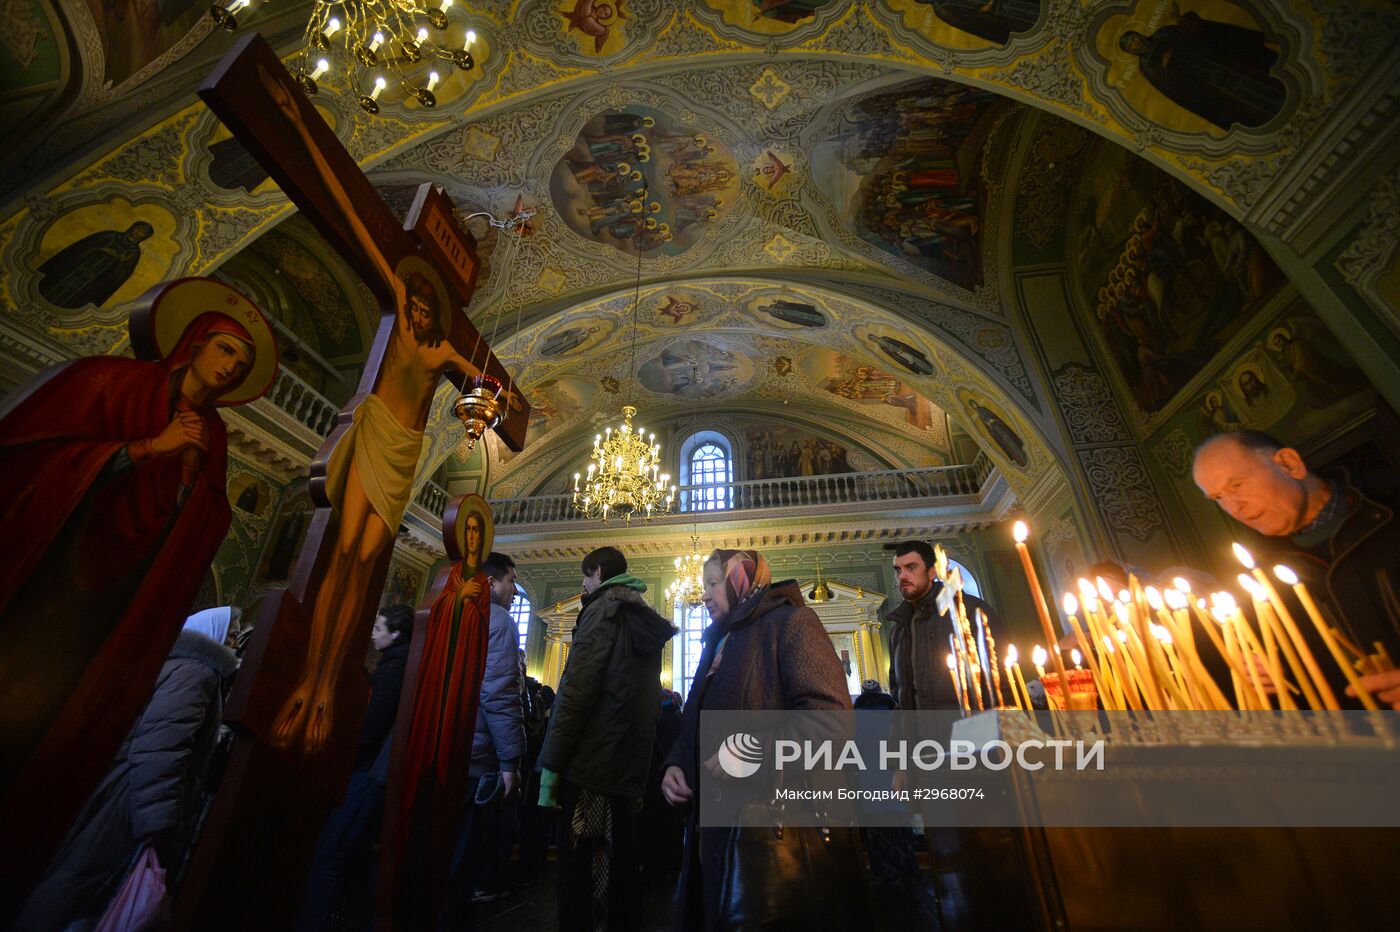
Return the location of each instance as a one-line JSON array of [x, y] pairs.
[[952, 662], [1161, 633], [1154, 598], [1122, 636], [1121, 610], [1286, 575], [1225, 600], [1076, 656], [1108, 645], [1124, 596], [1020, 531], [1104, 592], [1244, 556], [1039, 656], [1071, 604], [1182, 583], [1011, 656], [1248, 584], [1175, 599], [1086, 588]]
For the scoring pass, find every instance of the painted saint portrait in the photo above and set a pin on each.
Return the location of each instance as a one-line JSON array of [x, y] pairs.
[[1193, 65], [788, 452], [765, 17], [92, 269], [250, 494], [890, 346], [903, 163], [696, 370], [1170, 277], [789, 313], [641, 181], [433, 732], [115, 475], [854, 379], [678, 309], [994, 21], [574, 337], [994, 426]]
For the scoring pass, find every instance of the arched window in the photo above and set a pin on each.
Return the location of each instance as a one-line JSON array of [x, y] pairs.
[[692, 621], [969, 581], [708, 469], [520, 614]]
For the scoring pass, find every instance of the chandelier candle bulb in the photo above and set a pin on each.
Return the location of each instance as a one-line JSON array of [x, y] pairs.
[[471, 39], [322, 66], [432, 79], [332, 28], [1290, 578], [376, 41]]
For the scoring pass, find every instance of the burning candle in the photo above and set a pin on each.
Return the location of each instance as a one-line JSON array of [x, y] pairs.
[[1264, 612], [1290, 578], [1323, 688], [1020, 531], [1018, 680]]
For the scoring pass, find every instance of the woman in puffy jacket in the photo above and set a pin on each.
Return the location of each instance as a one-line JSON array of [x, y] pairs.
[[151, 792]]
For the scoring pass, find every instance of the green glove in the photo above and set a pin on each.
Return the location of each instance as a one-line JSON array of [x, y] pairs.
[[549, 784]]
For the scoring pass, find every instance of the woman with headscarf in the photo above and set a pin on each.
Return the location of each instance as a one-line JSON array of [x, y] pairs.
[[151, 792], [113, 477], [765, 650]]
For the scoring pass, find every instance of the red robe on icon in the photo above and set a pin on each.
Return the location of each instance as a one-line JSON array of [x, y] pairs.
[[431, 783], [104, 560]]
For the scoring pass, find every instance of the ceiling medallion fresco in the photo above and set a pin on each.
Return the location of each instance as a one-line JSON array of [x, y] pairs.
[[696, 370], [689, 178], [902, 166]]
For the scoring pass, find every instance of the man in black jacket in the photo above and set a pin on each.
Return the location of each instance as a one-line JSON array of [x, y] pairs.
[[919, 633], [1342, 542], [344, 852], [919, 681], [598, 747]]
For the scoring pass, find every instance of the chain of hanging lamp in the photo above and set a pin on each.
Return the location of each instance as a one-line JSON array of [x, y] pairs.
[[371, 43], [624, 471]]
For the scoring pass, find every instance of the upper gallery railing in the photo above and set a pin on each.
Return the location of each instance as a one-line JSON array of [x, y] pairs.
[[891, 485], [303, 403]]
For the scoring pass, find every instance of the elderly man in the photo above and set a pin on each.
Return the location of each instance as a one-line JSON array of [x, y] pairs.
[[1345, 544]]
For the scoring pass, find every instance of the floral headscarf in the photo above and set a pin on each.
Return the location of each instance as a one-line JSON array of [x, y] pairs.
[[745, 571]]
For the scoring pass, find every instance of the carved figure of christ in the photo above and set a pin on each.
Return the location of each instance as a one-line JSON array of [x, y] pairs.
[[370, 464]]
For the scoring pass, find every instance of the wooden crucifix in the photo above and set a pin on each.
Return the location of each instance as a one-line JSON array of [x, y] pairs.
[[300, 695]]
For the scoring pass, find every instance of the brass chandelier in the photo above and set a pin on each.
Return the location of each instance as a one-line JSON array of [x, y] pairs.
[[688, 588], [371, 43], [624, 475]]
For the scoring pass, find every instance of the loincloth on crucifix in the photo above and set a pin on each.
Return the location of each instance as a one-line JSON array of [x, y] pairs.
[[385, 454]]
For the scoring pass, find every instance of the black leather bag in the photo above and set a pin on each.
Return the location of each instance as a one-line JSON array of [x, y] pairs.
[[786, 877]]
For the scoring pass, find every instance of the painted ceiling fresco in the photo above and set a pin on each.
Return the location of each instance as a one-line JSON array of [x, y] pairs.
[[832, 212]]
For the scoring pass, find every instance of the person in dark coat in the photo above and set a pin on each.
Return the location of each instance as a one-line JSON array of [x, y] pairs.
[[919, 632], [764, 650], [595, 755], [343, 863], [1341, 540], [150, 793]]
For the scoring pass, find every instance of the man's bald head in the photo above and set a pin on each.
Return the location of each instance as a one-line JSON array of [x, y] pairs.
[[1258, 481]]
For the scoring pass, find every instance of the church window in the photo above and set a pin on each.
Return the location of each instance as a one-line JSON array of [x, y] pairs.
[[520, 614], [969, 581], [708, 469], [692, 621]]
